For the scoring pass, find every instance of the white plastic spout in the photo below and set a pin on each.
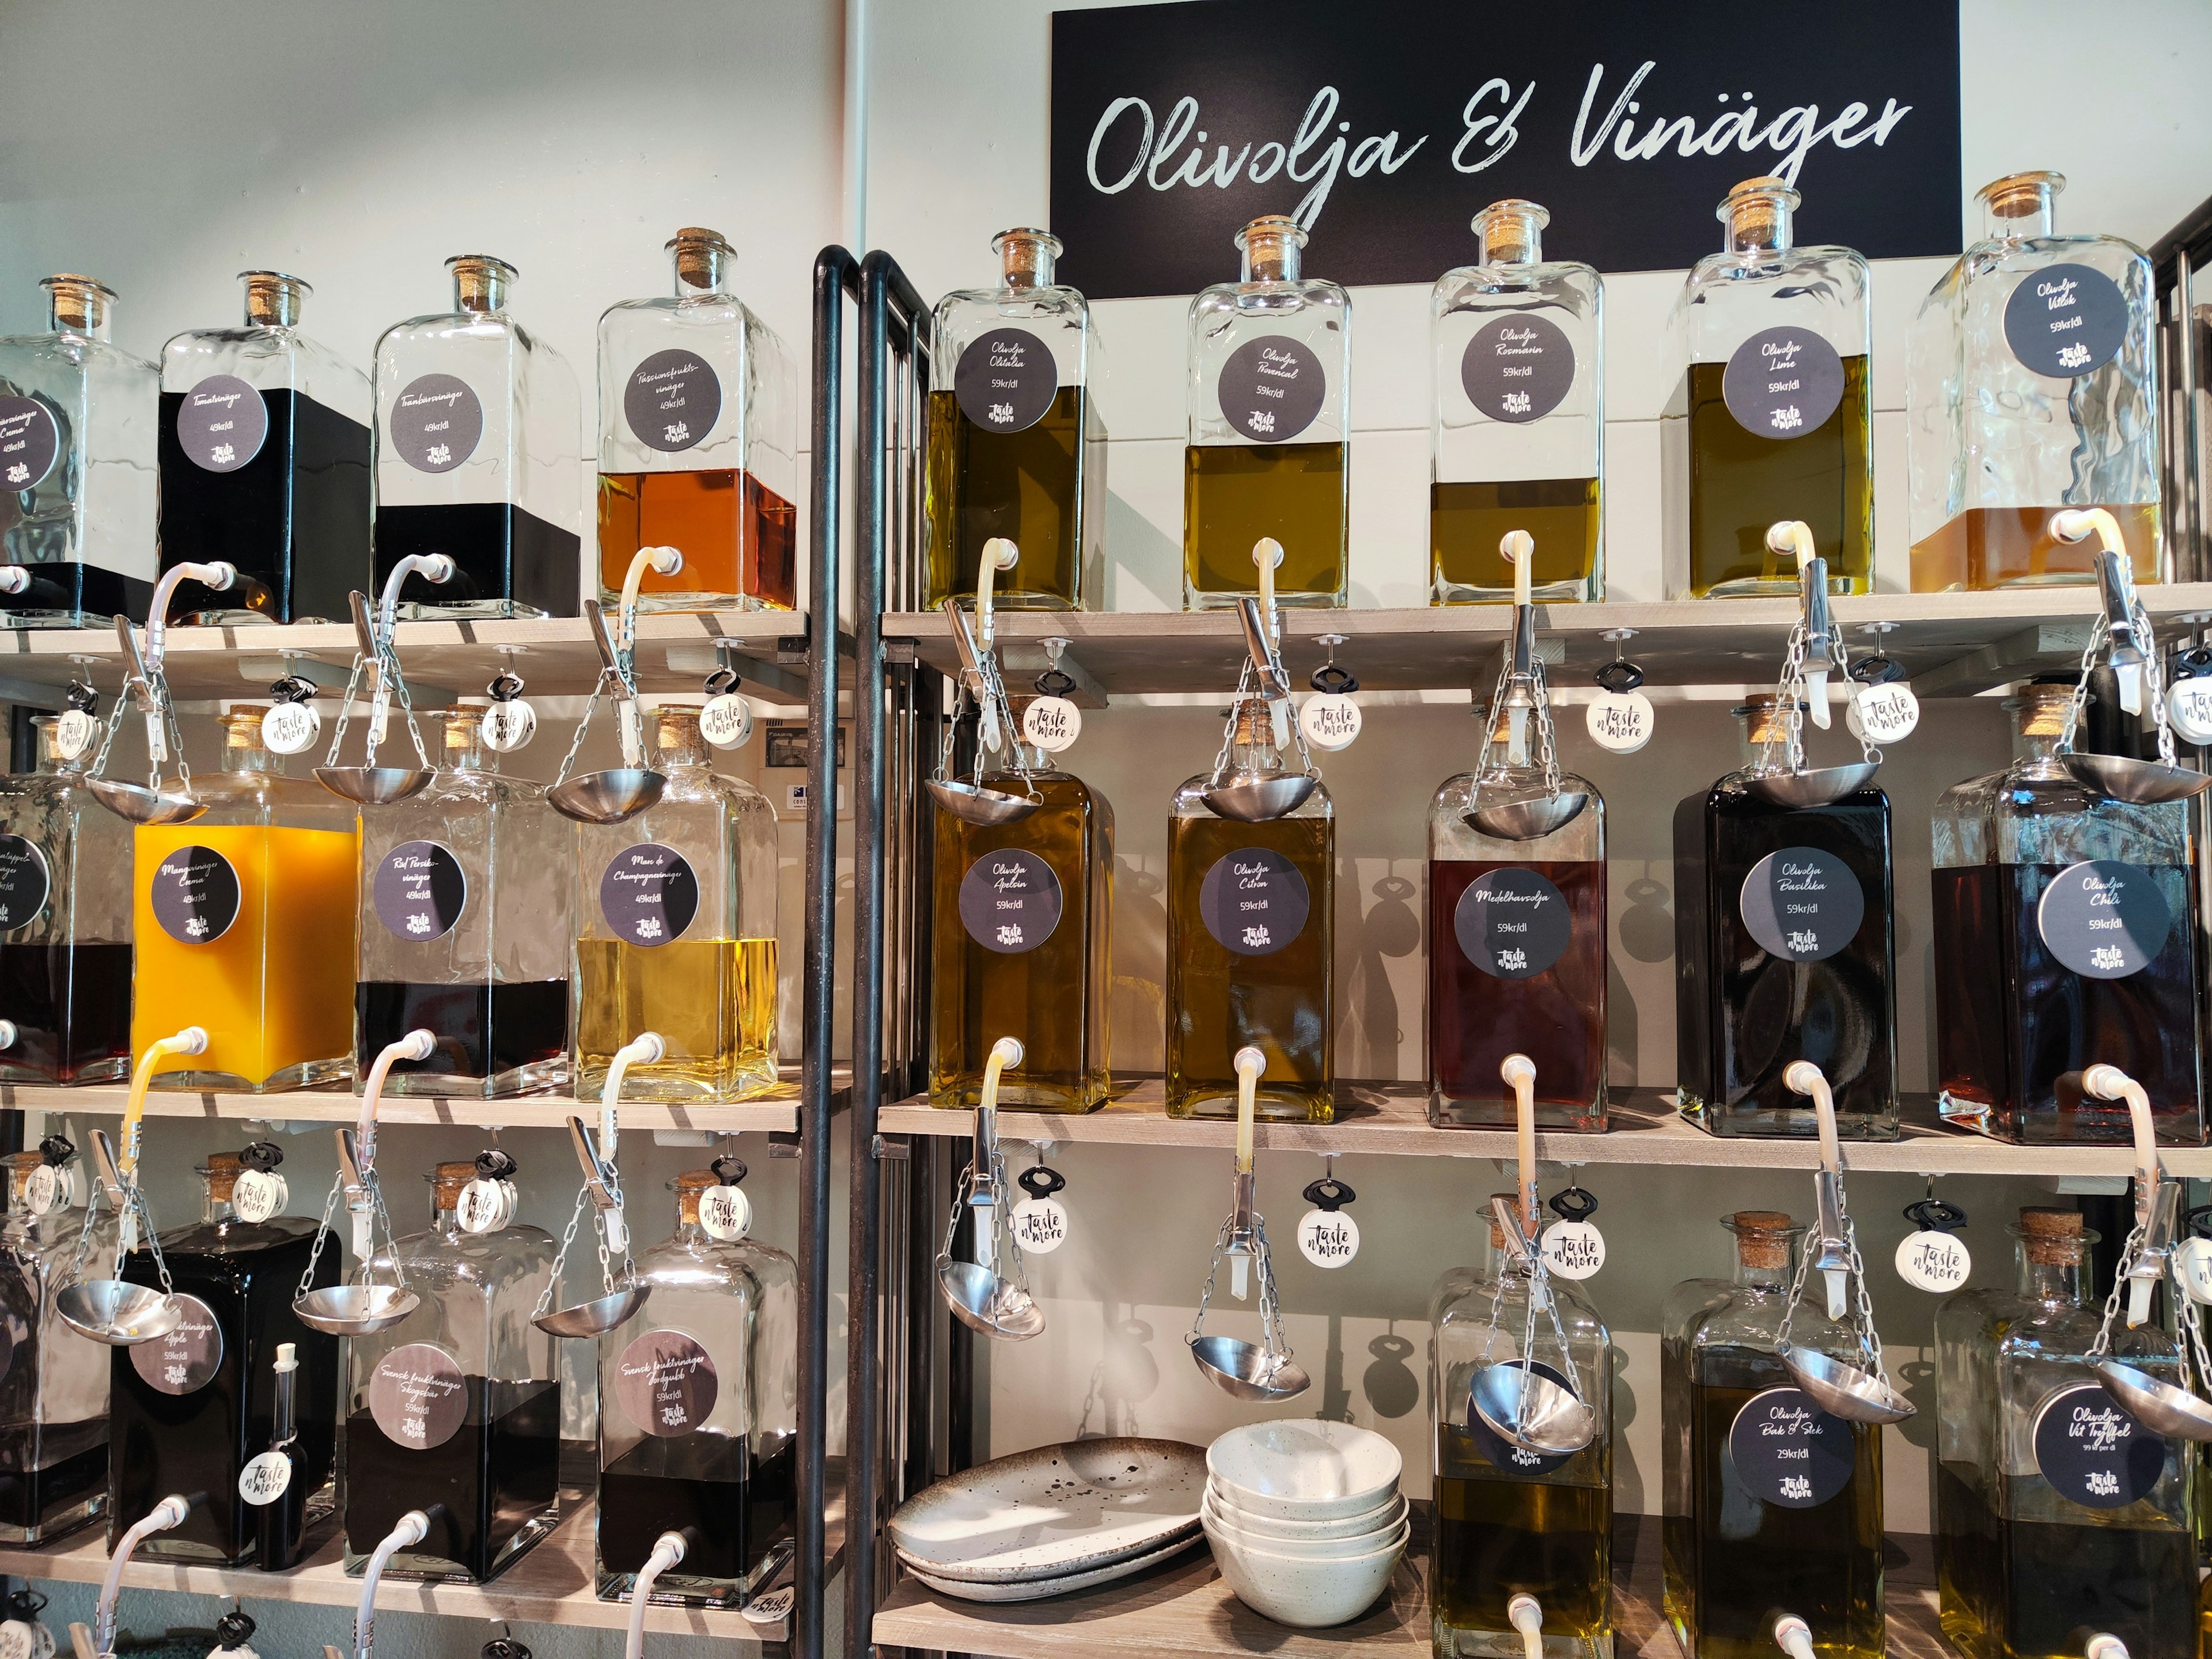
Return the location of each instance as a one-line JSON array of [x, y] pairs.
[[1793, 1637], [417, 1045], [1794, 537], [14, 579], [218, 576], [1518, 548], [646, 1049], [2101, 1646], [1250, 1065], [1266, 559], [1526, 1617], [998, 554], [667, 1552], [412, 1529], [662, 562], [436, 568], [1518, 1072], [2110, 1083], [7, 1034], [170, 1512], [1804, 1077], [192, 1040]]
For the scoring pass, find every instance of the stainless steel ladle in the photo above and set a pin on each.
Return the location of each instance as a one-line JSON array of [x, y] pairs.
[[1816, 651], [620, 793], [980, 682], [365, 1306], [146, 687], [1248, 1370], [981, 1297], [376, 655], [1254, 794], [618, 1298], [1526, 813]]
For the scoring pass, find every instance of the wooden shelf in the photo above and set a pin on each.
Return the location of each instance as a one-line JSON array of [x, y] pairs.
[[1392, 1118]]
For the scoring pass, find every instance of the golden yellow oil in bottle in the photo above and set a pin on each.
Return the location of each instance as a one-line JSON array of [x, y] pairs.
[[1467, 521], [1990, 547], [1037, 488], [1233, 495], [712, 1001], [1500, 1535]]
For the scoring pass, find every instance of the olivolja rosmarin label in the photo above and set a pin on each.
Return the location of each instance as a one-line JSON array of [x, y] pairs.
[[1518, 368], [1253, 901], [221, 423], [418, 1396], [1006, 379], [29, 442], [1512, 924], [2103, 919], [666, 1384], [1272, 388], [648, 894], [187, 1359], [436, 422], [1788, 1451], [1783, 382], [1802, 904], [420, 890], [672, 401], [196, 895], [2092, 1452], [25, 882], [1009, 900], [2065, 320]]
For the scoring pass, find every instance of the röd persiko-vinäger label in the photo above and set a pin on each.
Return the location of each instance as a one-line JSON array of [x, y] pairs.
[[1253, 901], [1272, 388], [420, 890], [1787, 1450], [196, 895], [648, 893], [1783, 382], [221, 423], [24, 882], [29, 442], [1512, 924], [188, 1358], [1517, 368], [1502, 1453], [436, 422], [666, 1384], [2103, 919], [1006, 379], [1009, 900], [2065, 320], [672, 401], [418, 1396], [2091, 1451], [1802, 904]]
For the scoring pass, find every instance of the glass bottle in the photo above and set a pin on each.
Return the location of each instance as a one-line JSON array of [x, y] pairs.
[[698, 442], [78, 476], [2057, 1514], [2032, 385], [1753, 992], [65, 925], [53, 1381], [245, 925], [456, 1410], [478, 430], [1516, 947], [1270, 427], [463, 921], [1748, 1538], [1516, 351], [675, 919], [1511, 1523], [1772, 418], [1016, 444], [2030, 989], [265, 463], [190, 1409], [698, 1410], [1251, 945], [281, 1525]]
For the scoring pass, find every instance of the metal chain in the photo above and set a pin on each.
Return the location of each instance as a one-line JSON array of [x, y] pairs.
[[1541, 716], [2103, 1344], [561, 1255], [315, 1253]]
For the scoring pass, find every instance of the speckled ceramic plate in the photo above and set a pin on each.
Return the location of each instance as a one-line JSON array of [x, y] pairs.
[[1069, 1508], [1035, 1589]]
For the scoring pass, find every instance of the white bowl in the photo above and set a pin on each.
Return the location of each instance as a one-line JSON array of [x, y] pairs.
[[1311, 1549], [1304, 1469], [1380, 1519], [1305, 1594]]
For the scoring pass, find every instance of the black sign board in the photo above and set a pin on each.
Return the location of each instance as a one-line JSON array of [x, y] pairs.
[[1384, 126]]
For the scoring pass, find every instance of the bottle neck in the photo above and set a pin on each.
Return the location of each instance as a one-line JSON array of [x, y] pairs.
[[213, 1209], [2021, 207], [677, 740], [282, 1424], [701, 261], [2047, 1275], [1252, 745], [2040, 723], [77, 305]]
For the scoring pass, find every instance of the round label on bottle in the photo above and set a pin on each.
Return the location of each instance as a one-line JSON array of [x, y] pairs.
[[648, 894], [508, 725], [1271, 389], [666, 1384], [727, 721], [1330, 721], [1512, 924], [1802, 904], [187, 1359], [1327, 1238], [1253, 901], [435, 424], [73, 731], [2103, 919], [2094, 1452], [290, 728], [1931, 1260], [259, 1195], [1518, 368], [1619, 720], [1039, 1224], [29, 442], [1009, 900], [1053, 723], [1783, 382], [1502, 1453], [221, 423], [420, 890], [24, 882], [196, 895], [672, 401], [1006, 379], [2065, 320], [418, 1396], [1573, 1249], [264, 1478], [726, 1214], [19, 1640], [1788, 1451]]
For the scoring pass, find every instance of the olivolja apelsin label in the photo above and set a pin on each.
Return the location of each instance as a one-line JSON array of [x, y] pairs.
[[1009, 900]]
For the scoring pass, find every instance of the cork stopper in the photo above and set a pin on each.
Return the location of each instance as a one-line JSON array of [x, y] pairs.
[[2052, 1237], [273, 299], [688, 1185], [1254, 726], [241, 725], [480, 282], [1757, 214], [676, 730], [463, 734], [702, 258], [79, 304], [1496, 1233], [2019, 205], [2040, 707], [1026, 256], [1767, 717], [23, 1164], [1511, 232], [221, 1172], [1270, 245], [448, 1179], [1762, 1238]]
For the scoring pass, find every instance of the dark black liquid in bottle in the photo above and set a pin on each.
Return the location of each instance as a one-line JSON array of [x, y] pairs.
[[499, 1472], [483, 1030], [34, 1495], [71, 1006], [732, 1508], [501, 552], [90, 590]]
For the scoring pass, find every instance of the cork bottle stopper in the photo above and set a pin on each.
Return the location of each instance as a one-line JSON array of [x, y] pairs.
[[222, 1172], [703, 258], [1767, 717], [2041, 708], [480, 282], [1496, 1233], [1026, 256], [272, 298], [688, 1185], [1762, 1238], [450, 1178], [1270, 245], [1757, 213], [2052, 1238], [79, 304], [1253, 724], [1511, 232], [24, 1163], [2020, 195]]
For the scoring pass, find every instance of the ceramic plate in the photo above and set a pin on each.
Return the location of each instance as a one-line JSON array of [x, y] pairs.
[[1035, 1589], [1068, 1508]]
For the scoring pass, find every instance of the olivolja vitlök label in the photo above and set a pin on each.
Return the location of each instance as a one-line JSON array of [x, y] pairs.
[[1518, 368], [672, 401], [2065, 321], [1006, 379]]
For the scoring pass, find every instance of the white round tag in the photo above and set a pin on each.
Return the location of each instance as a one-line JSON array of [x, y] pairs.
[[1573, 1249], [290, 728], [508, 725], [258, 1195], [1619, 720], [41, 1192], [1931, 1260], [1052, 724], [1327, 1238], [2189, 706], [1883, 713], [75, 731], [727, 721], [486, 1205], [1040, 1224], [2192, 1266], [1330, 721], [264, 1478], [725, 1213], [21, 1641], [773, 1608]]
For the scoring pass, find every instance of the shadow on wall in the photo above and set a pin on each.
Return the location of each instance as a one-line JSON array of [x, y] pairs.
[[1138, 1012], [1373, 1034]]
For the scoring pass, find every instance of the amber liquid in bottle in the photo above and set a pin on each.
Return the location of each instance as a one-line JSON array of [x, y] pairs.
[[1467, 521], [712, 1001], [738, 537], [1987, 547], [1028, 486], [1498, 1537], [1234, 494]]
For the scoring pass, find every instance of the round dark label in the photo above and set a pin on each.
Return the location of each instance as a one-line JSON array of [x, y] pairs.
[[187, 1359], [1009, 900], [666, 1384], [1253, 901], [436, 422], [221, 423], [418, 1396], [1802, 904], [24, 882], [648, 893], [2091, 1451], [2065, 320], [1502, 1453], [1006, 379], [672, 401], [29, 442], [1518, 368], [1512, 924], [420, 890], [196, 895], [1783, 382], [1788, 1451], [1272, 388], [2104, 919]]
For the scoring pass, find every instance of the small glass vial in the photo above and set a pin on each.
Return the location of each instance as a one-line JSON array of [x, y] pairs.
[[1017, 445], [699, 407], [675, 919], [2032, 385], [78, 490], [1268, 452], [463, 924], [1772, 419], [699, 1406], [1516, 349], [265, 463], [478, 430]]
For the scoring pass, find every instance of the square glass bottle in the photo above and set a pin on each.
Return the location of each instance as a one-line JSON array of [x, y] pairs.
[[1268, 450], [2032, 385], [1516, 353], [78, 471], [478, 456], [265, 463], [1772, 419], [698, 442], [1016, 447]]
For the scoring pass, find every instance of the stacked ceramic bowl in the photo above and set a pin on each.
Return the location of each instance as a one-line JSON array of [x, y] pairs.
[[1305, 1519]]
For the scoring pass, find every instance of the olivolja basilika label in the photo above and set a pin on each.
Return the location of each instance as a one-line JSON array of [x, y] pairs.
[[1783, 382], [1802, 904], [1786, 1450], [221, 423], [29, 442], [672, 401], [1518, 368], [1253, 901], [1006, 379], [2103, 919], [2065, 321], [1272, 388], [1009, 900]]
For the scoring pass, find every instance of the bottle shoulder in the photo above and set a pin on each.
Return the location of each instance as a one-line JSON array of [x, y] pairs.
[[1555, 283], [40, 356], [1261, 300]]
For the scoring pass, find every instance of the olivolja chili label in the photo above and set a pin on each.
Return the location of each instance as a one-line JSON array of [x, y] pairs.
[[2103, 919]]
